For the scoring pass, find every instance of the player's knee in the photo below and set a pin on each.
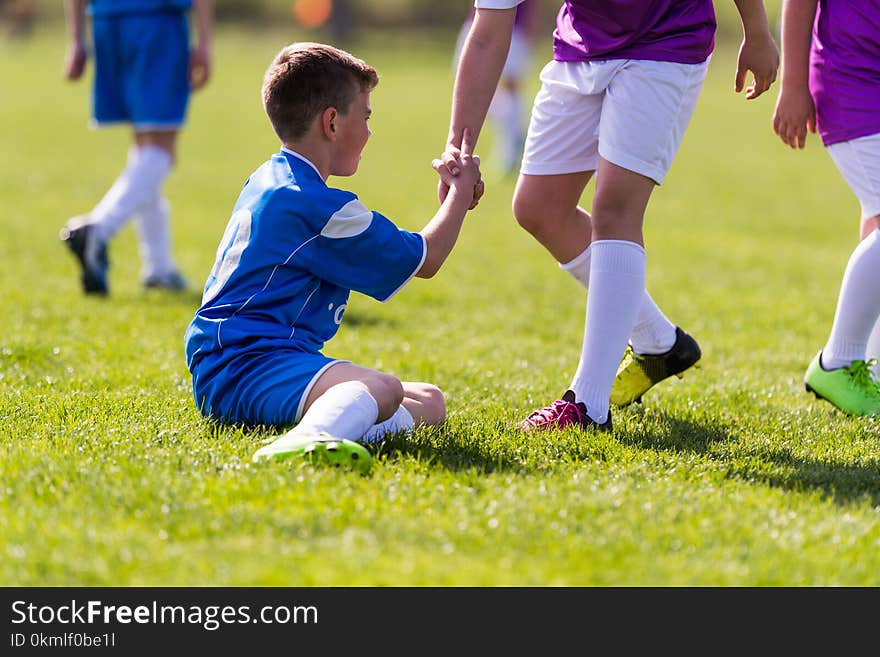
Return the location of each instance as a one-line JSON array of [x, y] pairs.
[[388, 391], [434, 405], [528, 213]]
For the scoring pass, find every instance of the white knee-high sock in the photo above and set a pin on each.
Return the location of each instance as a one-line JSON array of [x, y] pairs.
[[345, 410], [117, 189], [579, 267], [140, 183], [652, 333], [858, 306], [154, 238], [402, 420], [617, 286]]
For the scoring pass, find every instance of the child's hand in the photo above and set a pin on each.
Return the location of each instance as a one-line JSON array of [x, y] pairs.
[[759, 55], [460, 169], [794, 116], [75, 60], [199, 66]]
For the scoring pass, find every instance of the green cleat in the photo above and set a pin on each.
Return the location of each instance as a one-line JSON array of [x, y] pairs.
[[638, 373], [318, 448], [852, 389]]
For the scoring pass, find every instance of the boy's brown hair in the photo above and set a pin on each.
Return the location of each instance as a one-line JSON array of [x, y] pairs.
[[306, 78]]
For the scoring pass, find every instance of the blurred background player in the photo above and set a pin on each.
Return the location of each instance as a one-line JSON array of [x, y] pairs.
[[144, 72], [507, 111], [831, 84]]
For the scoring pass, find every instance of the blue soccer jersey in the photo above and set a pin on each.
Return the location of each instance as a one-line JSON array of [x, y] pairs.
[[292, 252]]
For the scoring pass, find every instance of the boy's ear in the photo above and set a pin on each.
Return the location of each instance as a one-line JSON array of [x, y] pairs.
[[328, 122]]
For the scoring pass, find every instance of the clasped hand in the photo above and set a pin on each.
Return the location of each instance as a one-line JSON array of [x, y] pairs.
[[460, 167]]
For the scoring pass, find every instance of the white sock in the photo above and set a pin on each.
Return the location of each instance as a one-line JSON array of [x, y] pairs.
[[154, 238], [579, 267], [653, 333], [858, 306], [617, 285], [345, 410], [118, 187], [138, 184], [402, 420]]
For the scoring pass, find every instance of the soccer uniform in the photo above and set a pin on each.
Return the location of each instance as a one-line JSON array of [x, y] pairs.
[[623, 84], [141, 62], [292, 252], [845, 85]]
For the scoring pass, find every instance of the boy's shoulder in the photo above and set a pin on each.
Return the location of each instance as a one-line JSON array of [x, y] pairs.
[[289, 182]]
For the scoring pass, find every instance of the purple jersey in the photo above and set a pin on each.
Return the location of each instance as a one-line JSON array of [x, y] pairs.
[[845, 69], [680, 31]]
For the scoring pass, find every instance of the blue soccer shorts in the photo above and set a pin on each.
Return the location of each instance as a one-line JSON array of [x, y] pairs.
[[141, 70], [257, 386]]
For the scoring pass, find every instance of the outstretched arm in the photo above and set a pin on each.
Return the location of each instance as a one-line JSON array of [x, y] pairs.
[[442, 231], [479, 69], [76, 56], [795, 113], [758, 52]]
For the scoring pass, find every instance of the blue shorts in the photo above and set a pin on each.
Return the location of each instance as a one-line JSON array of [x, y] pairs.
[[141, 70], [258, 386]]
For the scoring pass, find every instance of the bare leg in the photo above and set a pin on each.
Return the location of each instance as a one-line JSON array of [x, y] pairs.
[[547, 207]]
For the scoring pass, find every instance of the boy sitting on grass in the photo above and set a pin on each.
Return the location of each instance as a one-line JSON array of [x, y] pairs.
[[292, 252]]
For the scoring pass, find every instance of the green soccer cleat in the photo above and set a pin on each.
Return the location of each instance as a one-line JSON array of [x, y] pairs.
[[638, 373], [852, 389], [318, 448]]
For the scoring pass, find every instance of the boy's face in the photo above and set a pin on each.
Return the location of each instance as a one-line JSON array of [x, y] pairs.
[[352, 135]]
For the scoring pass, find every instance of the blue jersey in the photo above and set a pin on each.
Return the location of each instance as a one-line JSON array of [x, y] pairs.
[[292, 252], [115, 7]]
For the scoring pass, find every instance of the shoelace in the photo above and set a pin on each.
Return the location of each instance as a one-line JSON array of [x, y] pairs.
[[862, 379], [562, 412]]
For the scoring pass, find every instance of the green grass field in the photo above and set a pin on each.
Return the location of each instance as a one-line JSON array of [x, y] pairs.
[[732, 476]]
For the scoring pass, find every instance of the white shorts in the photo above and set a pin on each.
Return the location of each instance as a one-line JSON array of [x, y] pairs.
[[631, 112], [859, 162]]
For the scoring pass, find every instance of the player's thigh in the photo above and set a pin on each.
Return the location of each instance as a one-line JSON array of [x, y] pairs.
[[385, 388], [647, 108], [858, 161]]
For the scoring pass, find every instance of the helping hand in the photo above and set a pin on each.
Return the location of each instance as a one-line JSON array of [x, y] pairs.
[[452, 164]]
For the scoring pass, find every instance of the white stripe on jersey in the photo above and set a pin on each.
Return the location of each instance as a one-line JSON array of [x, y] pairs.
[[351, 219]]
